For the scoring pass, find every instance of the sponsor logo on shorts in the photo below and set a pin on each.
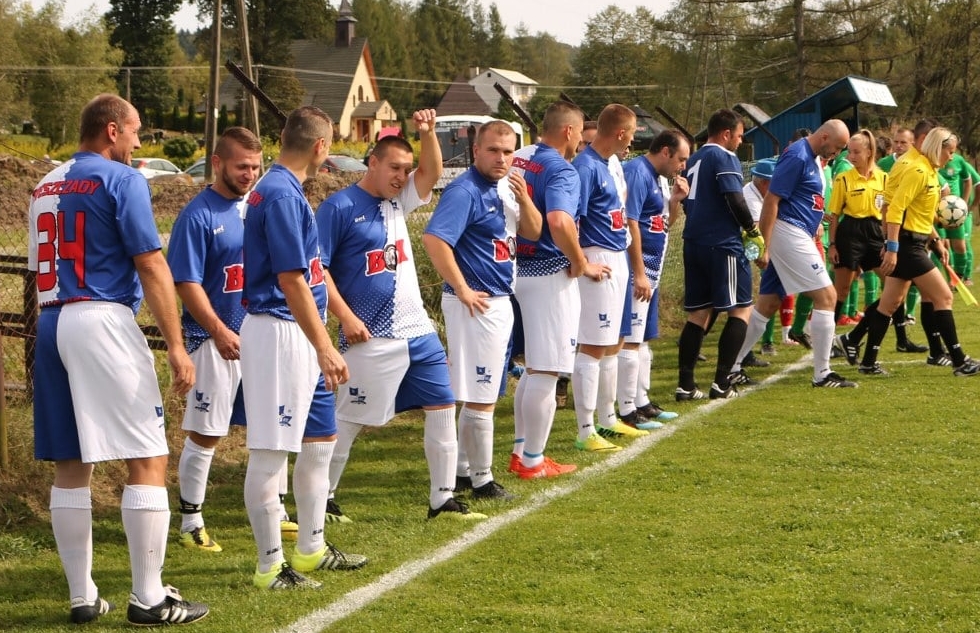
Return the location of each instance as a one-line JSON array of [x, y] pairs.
[[203, 403], [484, 377], [159, 411], [284, 417], [604, 321], [356, 397]]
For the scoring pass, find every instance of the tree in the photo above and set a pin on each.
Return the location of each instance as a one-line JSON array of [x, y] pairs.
[[393, 49], [57, 95], [498, 48], [143, 30]]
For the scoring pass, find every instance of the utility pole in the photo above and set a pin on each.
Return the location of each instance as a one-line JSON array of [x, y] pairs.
[[211, 116], [251, 109]]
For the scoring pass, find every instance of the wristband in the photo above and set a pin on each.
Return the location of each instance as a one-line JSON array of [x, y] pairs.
[[891, 246]]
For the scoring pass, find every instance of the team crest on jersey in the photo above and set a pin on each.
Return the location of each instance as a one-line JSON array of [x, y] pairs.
[[285, 418], [234, 278], [657, 224], [254, 199], [316, 272], [356, 397], [504, 250], [818, 202], [385, 259], [203, 403], [617, 220], [483, 376]]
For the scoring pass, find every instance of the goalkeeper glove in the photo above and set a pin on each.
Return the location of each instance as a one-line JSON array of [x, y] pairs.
[[753, 243]]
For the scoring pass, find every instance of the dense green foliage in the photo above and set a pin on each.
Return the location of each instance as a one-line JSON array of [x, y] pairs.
[[694, 58]]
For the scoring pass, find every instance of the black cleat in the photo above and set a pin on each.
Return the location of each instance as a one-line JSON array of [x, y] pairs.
[[717, 393], [940, 361], [911, 348], [872, 370], [969, 367], [334, 514], [681, 394], [456, 510], [83, 612], [849, 351], [492, 490], [833, 380], [740, 378], [802, 338], [173, 610], [751, 360]]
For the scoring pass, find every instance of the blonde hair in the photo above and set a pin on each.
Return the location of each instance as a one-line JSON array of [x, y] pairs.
[[932, 146], [869, 141]]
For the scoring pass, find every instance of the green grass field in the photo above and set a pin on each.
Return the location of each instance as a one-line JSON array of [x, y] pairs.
[[789, 509]]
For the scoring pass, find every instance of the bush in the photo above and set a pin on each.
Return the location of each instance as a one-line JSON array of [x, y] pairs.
[[180, 149]]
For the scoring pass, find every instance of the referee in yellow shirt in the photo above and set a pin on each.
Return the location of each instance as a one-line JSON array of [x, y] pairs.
[[912, 194], [857, 240]]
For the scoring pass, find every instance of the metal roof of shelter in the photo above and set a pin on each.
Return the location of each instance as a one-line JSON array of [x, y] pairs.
[[837, 100]]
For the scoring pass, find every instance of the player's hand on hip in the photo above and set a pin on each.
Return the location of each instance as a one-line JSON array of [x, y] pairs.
[[642, 289], [334, 368], [228, 344], [182, 371], [473, 300], [596, 272], [355, 331]]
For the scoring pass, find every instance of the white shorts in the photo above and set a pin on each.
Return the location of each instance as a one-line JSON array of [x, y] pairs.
[[114, 388], [477, 347], [602, 302], [211, 402], [279, 374], [797, 261], [549, 310], [371, 402]]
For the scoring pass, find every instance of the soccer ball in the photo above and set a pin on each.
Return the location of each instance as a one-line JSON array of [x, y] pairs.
[[952, 212]]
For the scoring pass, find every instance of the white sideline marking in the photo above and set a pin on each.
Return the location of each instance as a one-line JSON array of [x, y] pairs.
[[357, 599]]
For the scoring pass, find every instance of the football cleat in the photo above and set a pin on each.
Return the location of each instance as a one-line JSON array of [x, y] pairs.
[[198, 538], [717, 393], [173, 610], [739, 378], [285, 577], [515, 463], [872, 370], [850, 352], [618, 429], [940, 361], [327, 558], [834, 380], [911, 348], [681, 394], [802, 338], [83, 611], [596, 444], [334, 513], [969, 367], [492, 490], [456, 510], [636, 421], [547, 468]]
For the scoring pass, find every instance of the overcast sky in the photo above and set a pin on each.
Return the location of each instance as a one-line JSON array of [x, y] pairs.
[[562, 18]]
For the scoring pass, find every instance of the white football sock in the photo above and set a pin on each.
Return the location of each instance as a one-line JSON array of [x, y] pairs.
[[642, 397], [262, 505], [519, 414], [440, 454], [754, 331], [146, 519], [310, 488], [822, 331], [346, 434], [479, 440], [628, 366], [192, 471], [606, 394], [538, 410], [71, 519], [585, 382], [283, 491]]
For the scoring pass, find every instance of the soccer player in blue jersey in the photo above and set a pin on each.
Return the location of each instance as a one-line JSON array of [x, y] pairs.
[[471, 240], [791, 213], [603, 238], [290, 368], [205, 256], [716, 271], [547, 288], [95, 249], [396, 360], [649, 217]]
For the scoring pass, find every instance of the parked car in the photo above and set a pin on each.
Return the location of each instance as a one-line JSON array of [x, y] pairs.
[[196, 171], [342, 163], [153, 167]]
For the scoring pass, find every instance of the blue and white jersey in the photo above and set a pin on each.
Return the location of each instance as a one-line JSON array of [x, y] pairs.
[[602, 212], [478, 219], [798, 180], [554, 187], [280, 236], [206, 248], [646, 206], [712, 171], [88, 218], [367, 249]]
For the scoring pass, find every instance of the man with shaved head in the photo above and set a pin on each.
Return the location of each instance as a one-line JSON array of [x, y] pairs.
[[791, 212]]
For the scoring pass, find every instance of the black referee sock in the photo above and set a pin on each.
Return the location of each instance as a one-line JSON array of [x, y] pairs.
[[927, 317], [855, 335], [687, 354], [877, 327], [837, 308], [898, 320], [947, 329]]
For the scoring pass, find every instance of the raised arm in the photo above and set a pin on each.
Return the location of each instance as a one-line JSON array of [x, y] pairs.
[[430, 155]]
